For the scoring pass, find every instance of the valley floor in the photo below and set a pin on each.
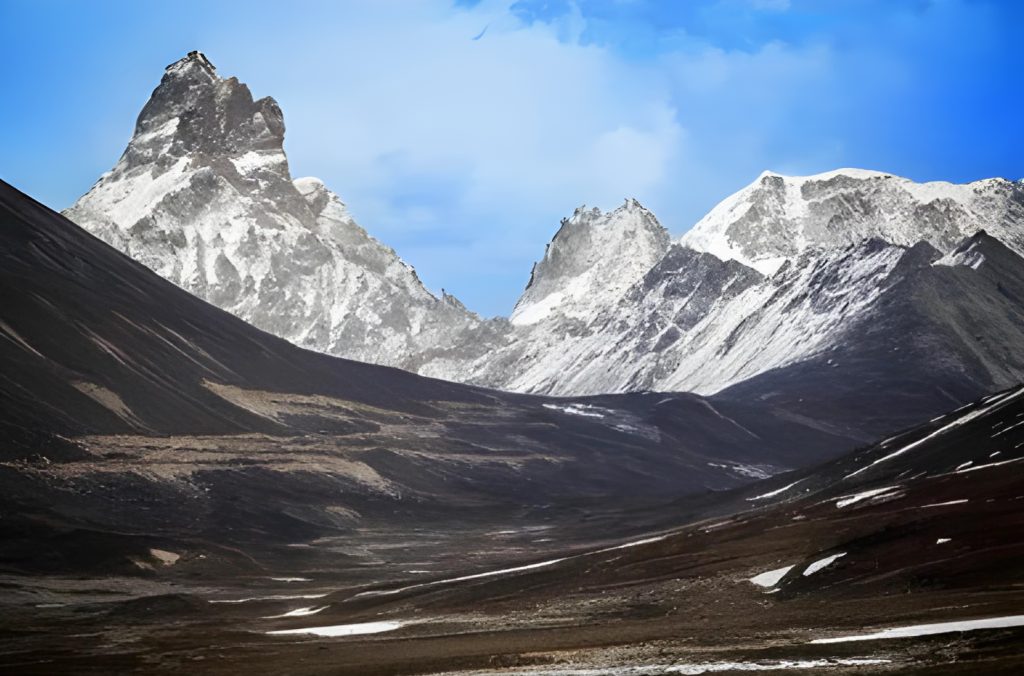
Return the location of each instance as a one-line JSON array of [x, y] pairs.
[[533, 594]]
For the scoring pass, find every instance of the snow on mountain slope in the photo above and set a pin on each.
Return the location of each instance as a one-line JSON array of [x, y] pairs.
[[697, 323], [777, 217], [204, 197], [592, 260], [876, 335]]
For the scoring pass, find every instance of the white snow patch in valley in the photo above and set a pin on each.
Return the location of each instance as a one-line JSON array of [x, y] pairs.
[[874, 492], [822, 563], [298, 612], [781, 665], [975, 468], [946, 504], [290, 579], [771, 577], [751, 471], [942, 541], [635, 543], [777, 491], [507, 571], [685, 668], [344, 629], [931, 629], [584, 410], [1007, 429], [463, 578], [272, 597]]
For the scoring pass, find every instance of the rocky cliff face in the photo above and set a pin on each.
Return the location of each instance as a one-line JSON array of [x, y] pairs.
[[204, 197]]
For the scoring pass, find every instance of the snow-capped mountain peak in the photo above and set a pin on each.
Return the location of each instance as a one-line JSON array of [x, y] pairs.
[[591, 261], [203, 195], [776, 217]]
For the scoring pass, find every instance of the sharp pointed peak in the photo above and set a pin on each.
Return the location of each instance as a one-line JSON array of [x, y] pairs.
[[193, 59]]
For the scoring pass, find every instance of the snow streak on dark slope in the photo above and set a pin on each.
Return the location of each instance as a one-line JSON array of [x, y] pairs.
[[93, 344]]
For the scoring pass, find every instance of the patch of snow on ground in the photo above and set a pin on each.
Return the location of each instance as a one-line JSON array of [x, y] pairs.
[[931, 629], [344, 629], [290, 579], [507, 571], [635, 543], [822, 563], [584, 410], [975, 468], [691, 668], [854, 499], [464, 578], [782, 665], [772, 494], [272, 597], [942, 541], [946, 504], [751, 471], [771, 577], [1007, 429], [298, 612]]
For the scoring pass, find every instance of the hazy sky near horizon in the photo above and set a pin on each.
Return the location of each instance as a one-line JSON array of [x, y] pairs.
[[460, 133]]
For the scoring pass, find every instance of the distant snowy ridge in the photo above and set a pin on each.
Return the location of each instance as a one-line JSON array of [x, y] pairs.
[[776, 218]]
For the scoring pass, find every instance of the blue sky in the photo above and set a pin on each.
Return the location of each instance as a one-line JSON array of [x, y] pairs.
[[464, 154]]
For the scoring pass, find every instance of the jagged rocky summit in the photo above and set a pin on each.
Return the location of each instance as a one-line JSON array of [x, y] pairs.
[[203, 196]]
